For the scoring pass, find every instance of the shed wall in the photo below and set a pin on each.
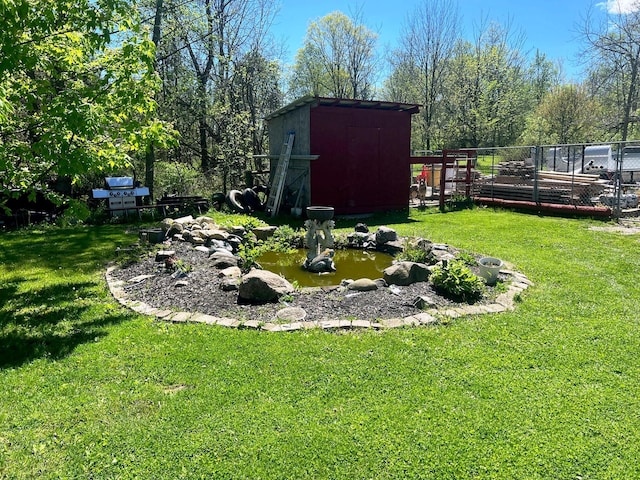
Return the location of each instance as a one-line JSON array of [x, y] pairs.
[[297, 181], [364, 158]]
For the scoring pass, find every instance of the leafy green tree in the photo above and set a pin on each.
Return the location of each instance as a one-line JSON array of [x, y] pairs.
[[568, 114], [74, 95], [338, 59], [614, 48], [427, 41], [542, 75], [486, 92]]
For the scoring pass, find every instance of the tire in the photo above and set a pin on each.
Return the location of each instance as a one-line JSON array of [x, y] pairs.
[[234, 200], [250, 199], [262, 194], [217, 200]]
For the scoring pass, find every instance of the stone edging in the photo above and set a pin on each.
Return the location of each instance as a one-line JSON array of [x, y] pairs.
[[504, 302]]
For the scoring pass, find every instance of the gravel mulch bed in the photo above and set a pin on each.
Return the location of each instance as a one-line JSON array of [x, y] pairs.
[[200, 292]]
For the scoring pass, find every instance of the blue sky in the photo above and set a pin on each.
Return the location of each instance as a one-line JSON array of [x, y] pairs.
[[550, 26]]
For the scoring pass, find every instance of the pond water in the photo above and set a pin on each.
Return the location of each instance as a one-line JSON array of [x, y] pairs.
[[350, 263]]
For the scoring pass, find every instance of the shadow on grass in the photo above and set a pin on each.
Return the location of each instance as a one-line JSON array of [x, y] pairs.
[[346, 221], [51, 321], [52, 298]]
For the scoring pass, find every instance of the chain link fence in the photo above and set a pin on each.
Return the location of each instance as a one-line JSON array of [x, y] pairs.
[[591, 179]]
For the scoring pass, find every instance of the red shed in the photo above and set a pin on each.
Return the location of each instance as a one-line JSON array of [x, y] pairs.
[[352, 155]]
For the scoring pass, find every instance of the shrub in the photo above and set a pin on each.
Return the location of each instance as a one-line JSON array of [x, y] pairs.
[[286, 238], [417, 254], [456, 280]]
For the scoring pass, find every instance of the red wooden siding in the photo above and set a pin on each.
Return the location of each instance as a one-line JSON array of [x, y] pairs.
[[364, 158]]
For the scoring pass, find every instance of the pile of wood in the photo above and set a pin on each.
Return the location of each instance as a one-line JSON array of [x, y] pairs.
[[551, 187], [516, 168]]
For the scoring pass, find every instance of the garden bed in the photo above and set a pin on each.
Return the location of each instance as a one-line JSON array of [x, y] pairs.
[[201, 292]]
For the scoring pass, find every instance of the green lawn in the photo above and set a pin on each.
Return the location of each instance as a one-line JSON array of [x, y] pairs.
[[551, 390]]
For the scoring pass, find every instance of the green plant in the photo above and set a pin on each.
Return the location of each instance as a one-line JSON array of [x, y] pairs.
[[455, 279], [285, 238], [181, 266], [467, 258], [416, 253], [249, 251], [76, 213]]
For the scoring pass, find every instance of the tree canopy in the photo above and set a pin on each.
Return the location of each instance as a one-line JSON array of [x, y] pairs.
[[90, 85], [77, 88], [338, 59]]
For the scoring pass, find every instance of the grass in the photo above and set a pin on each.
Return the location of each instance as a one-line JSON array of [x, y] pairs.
[[549, 391]]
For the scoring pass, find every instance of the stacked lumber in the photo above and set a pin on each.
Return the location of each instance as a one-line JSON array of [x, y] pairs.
[[552, 187], [516, 168]]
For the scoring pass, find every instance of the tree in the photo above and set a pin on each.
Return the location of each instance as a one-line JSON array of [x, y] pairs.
[[215, 80], [427, 41], [74, 96], [487, 95], [337, 59], [543, 76], [614, 48], [567, 114]]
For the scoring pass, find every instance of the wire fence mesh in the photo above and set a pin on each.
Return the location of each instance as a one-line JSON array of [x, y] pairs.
[[594, 179]]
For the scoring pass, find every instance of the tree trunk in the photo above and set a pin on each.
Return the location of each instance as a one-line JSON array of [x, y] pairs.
[[150, 155]]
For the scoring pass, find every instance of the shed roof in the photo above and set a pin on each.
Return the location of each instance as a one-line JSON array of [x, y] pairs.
[[345, 102]]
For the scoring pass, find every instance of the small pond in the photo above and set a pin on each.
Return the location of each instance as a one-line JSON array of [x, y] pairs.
[[350, 263]]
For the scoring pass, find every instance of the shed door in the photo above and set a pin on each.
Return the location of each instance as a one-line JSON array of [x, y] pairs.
[[363, 167]]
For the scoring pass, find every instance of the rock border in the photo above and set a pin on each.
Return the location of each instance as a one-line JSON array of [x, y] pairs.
[[503, 302]]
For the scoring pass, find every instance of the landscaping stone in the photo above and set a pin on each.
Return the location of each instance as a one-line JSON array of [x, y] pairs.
[[229, 284], [423, 302], [174, 229], [363, 285], [406, 273], [393, 247], [162, 255], [261, 286], [230, 272], [221, 260], [237, 230], [184, 220], [291, 314], [139, 278], [221, 252], [361, 240], [264, 233], [385, 235]]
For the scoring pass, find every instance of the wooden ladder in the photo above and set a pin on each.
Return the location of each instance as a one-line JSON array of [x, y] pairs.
[[280, 175]]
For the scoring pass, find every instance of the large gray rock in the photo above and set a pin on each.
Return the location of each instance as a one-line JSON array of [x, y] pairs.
[[230, 272], [361, 240], [385, 235], [174, 229], [260, 286], [184, 220], [393, 247], [214, 234], [221, 260], [406, 273]]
